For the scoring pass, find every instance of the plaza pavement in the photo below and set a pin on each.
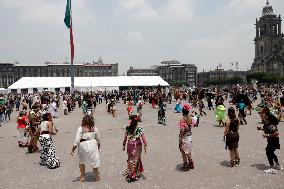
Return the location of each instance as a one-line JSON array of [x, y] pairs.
[[162, 161]]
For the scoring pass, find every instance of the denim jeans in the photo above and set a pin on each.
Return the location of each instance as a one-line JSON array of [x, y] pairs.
[[2, 118]]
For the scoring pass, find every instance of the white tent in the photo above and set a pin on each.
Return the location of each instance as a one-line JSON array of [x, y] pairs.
[[3, 91], [85, 83]]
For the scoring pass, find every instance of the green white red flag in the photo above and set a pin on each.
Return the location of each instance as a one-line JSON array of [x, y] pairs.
[[68, 23]]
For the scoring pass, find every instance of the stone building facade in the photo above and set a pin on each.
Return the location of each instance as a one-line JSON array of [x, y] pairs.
[[170, 71], [203, 77], [269, 43], [10, 73], [142, 72], [7, 74]]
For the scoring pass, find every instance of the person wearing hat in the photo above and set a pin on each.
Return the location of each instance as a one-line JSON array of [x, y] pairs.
[[185, 138]]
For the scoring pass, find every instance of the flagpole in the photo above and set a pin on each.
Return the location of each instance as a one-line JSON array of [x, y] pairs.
[[72, 56]]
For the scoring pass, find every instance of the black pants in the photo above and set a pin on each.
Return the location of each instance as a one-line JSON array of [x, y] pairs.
[[271, 155]]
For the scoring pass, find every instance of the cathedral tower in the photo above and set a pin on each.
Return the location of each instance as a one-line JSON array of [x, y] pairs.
[[269, 43]]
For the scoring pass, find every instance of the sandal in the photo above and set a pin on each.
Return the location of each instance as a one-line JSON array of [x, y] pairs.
[[82, 179], [237, 161], [191, 165], [232, 163], [183, 167]]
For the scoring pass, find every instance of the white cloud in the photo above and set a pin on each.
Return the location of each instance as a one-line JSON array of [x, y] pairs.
[[241, 6], [139, 9], [181, 10], [234, 45], [48, 12], [136, 38], [173, 10]]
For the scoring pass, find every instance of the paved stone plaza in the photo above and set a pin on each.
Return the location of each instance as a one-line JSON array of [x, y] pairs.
[[162, 162]]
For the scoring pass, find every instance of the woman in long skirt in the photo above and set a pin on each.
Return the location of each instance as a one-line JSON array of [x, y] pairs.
[[88, 142], [220, 114], [185, 139], [134, 137], [178, 106], [162, 113], [48, 155]]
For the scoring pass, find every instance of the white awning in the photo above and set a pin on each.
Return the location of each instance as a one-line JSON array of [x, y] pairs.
[[90, 83]]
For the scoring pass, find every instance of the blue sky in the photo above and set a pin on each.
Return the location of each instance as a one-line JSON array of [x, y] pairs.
[[138, 33]]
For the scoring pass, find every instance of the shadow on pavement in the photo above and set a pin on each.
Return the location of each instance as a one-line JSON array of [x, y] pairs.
[[89, 178], [178, 168], [261, 167], [224, 163]]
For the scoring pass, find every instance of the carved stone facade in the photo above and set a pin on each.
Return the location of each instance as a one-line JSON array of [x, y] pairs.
[[10, 73], [269, 44]]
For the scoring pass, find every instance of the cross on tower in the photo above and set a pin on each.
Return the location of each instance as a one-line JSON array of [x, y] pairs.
[[267, 2]]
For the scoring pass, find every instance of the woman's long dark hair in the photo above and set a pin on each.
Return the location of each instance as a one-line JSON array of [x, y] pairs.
[[45, 117], [271, 118], [131, 128], [232, 116], [185, 112]]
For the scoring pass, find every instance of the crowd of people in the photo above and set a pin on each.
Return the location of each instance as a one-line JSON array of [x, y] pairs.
[[37, 111]]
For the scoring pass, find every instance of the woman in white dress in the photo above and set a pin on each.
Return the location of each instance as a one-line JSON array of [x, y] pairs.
[[88, 143]]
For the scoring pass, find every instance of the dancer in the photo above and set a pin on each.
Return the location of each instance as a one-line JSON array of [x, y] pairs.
[[178, 106], [22, 124], [272, 135], [139, 108], [162, 113], [220, 111], [53, 109], [185, 139], [231, 136], [88, 142], [133, 136], [48, 155], [34, 122], [130, 108], [201, 107]]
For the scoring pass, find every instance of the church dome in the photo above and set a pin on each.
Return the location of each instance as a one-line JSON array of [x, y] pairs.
[[267, 10]]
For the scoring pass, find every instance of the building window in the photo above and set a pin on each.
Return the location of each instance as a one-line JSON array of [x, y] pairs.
[[261, 49]]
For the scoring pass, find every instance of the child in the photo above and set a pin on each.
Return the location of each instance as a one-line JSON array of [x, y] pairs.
[[195, 119]]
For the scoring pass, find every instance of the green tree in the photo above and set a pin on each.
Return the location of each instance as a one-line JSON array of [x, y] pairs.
[[180, 83]]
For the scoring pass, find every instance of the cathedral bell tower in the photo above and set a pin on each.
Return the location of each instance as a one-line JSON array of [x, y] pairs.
[[269, 43]]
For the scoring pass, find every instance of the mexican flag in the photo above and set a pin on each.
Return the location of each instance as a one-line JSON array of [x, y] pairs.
[[68, 23]]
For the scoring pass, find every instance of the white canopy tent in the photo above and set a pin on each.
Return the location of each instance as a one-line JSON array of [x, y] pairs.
[[85, 83], [3, 91]]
